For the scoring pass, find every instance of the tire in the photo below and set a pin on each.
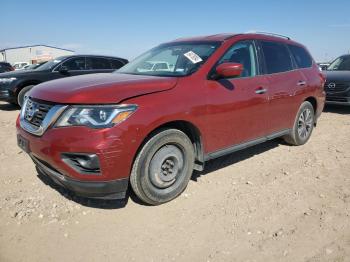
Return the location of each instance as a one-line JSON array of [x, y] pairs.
[[22, 93], [163, 167], [303, 125]]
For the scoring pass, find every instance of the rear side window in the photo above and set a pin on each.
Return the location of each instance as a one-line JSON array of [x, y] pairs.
[[301, 56], [93, 63], [277, 58]]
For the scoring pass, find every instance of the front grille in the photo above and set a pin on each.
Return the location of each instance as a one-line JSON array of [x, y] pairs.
[[35, 112], [336, 86]]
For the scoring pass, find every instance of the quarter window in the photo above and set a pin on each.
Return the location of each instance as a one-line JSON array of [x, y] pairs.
[[301, 57], [243, 53], [116, 64], [277, 57]]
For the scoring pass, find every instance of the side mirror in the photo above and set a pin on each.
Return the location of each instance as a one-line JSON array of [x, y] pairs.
[[63, 70], [227, 70]]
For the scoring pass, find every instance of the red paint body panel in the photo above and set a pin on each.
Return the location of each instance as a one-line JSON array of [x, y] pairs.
[[225, 112], [100, 88]]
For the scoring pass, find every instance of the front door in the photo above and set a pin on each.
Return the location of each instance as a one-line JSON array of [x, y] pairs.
[[237, 107], [74, 66]]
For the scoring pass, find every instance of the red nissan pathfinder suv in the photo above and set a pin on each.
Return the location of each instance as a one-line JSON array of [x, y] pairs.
[[153, 125]]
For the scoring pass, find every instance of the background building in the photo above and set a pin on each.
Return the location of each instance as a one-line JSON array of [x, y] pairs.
[[32, 54]]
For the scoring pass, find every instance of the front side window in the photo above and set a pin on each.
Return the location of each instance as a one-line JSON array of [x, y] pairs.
[[174, 59], [301, 57], [77, 63], [277, 58], [242, 53], [51, 64], [340, 64]]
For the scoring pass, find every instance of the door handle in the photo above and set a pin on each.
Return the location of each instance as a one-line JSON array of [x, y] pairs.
[[301, 83], [261, 91]]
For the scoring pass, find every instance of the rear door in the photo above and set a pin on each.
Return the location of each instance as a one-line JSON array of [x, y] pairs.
[[237, 107], [284, 83]]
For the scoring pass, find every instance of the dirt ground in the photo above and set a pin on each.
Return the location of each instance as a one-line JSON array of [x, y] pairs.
[[271, 202]]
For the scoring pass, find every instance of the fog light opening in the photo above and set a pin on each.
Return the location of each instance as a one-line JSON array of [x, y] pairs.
[[83, 163]]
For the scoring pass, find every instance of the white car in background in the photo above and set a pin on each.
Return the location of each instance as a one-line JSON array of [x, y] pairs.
[[149, 66], [20, 65]]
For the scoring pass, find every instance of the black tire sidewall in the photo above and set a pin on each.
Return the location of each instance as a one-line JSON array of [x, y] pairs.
[[150, 193]]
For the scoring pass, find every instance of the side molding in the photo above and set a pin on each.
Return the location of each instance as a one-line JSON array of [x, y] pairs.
[[245, 145]]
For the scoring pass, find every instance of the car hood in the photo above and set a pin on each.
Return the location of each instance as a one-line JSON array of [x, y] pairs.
[[100, 88], [18, 73], [337, 76]]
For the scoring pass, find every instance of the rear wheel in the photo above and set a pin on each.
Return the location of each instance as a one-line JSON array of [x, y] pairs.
[[22, 94], [163, 167], [303, 125]]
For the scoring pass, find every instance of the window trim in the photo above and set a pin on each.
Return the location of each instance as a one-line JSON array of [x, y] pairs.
[[257, 61]]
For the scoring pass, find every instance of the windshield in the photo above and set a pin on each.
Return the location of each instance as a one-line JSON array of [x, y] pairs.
[[175, 59], [340, 64], [51, 64]]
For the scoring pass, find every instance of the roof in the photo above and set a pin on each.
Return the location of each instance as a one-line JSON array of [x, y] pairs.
[[225, 36], [18, 47], [93, 55], [217, 37]]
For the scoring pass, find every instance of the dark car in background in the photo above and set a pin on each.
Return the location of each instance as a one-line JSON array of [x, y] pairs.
[[6, 67], [14, 85], [337, 84]]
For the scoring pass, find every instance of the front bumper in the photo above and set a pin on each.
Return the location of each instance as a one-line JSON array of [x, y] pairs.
[[103, 190], [338, 97], [5, 95], [338, 100], [115, 148]]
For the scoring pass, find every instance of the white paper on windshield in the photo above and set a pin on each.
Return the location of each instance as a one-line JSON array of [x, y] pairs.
[[193, 57]]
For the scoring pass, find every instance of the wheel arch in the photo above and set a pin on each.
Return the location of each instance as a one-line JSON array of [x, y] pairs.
[[190, 130], [313, 102]]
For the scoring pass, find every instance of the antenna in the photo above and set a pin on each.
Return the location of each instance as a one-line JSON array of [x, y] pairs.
[[267, 33]]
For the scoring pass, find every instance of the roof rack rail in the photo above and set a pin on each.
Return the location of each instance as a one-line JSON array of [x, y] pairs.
[[267, 33]]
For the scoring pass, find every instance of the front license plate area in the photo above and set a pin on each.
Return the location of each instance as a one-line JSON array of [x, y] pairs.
[[23, 143]]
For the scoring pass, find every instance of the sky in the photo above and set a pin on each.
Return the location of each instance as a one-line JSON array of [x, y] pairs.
[[127, 28]]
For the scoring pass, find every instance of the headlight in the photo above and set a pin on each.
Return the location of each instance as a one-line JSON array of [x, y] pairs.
[[7, 80], [95, 116]]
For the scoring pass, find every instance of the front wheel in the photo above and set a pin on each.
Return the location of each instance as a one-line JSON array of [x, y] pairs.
[[303, 125], [163, 167]]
